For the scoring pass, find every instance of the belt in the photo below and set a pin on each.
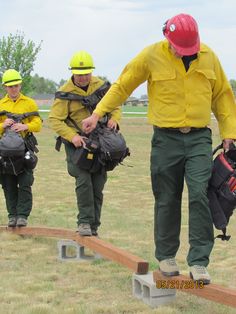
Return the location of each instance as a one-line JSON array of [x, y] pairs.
[[183, 130]]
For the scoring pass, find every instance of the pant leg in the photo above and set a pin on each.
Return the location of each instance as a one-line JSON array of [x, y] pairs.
[[25, 197], [98, 179], [167, 174], [84, 189], [9, 185], [197, 173]]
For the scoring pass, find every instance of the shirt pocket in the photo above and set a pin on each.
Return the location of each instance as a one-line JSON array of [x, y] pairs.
[[207, 77], [164, 76], [163, 83]]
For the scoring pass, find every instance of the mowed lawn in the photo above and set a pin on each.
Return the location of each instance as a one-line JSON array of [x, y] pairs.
[[34, 281]]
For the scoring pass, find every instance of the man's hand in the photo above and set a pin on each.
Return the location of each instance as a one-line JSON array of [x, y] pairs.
[[89, 124], [19, 127], [112, 124], [8, 122], [226, 143], [78, 141]]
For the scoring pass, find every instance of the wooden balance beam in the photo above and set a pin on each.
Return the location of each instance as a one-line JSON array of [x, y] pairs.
[[183, 283], [105, 249]]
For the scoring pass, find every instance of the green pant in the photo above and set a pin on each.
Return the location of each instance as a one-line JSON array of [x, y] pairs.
[[89, 190], [18, 193], [176, 156]]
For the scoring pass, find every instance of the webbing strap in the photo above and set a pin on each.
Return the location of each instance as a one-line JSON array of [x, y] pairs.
[[90, 101], [68, 96], [223, 236], [18, 116]]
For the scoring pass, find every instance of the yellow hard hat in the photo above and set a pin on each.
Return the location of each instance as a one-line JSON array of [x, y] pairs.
[[81, 63], [11, 77]]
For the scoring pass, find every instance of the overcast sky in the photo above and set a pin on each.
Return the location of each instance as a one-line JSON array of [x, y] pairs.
[[113, 31]]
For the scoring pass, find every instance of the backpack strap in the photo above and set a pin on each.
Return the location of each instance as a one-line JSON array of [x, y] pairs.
[[59, 139], [68, 96], [18, 116], [223, 236], [29, 114], [90, 102], [217, 148], [3, 113]]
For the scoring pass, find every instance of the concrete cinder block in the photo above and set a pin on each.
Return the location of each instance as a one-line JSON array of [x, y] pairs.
[[79, 251], [144, 288]]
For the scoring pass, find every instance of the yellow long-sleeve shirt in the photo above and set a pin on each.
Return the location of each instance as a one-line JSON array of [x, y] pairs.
[[177, 98], [22, 105], [62, 109]]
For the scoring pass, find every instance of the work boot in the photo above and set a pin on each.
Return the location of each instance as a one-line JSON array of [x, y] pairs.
[[84, 229], [199, 273], [12, 222], [168, 267], [21, 222]]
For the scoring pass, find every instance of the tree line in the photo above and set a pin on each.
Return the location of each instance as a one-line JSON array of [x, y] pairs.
[[20, 54]]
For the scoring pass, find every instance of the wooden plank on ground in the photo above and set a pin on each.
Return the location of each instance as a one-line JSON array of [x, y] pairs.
[[105, 249], [183, 283]]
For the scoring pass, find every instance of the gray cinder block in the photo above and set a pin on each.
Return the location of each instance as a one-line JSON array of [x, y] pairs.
[[64, 245], [144, 288]]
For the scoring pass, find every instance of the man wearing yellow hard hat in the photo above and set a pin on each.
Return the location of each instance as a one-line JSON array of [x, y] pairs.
[[65, 119], [18, 115]]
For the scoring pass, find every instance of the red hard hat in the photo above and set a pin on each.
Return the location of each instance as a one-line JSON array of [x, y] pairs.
[[182, 33]]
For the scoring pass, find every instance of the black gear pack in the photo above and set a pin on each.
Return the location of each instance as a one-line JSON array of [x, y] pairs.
[[112, 147], [104, 147], [222, 189], [16, 152]]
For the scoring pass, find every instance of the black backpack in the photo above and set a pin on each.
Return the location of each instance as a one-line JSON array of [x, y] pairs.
[[113, 149], [12, 144], [105, 148], [222, 190], [16, 152]]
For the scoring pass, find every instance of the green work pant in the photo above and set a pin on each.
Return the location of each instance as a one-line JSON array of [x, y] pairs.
[[174, 157], [89, 190], [18, 193]]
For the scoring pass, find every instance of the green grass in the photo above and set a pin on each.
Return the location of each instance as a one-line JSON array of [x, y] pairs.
[[34, 281]]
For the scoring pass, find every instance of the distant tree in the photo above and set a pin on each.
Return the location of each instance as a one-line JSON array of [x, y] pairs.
[[144, 96], [233, 84], [19, 54], [62, 82], [104, 78], [40, 85]]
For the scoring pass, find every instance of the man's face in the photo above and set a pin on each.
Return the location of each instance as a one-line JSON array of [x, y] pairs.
[[13, 91], [82, 79], [175, 53]]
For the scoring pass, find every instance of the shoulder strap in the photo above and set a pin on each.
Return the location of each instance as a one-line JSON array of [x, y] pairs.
[[29, 114], [90, 102], [18, 116], [68, 96], [3, 113], [73, 121]]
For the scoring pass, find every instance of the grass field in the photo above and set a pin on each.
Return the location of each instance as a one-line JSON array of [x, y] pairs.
[[33, 281]]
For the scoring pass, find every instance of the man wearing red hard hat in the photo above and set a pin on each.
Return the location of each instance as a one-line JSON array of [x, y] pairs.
[[185, 82]]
